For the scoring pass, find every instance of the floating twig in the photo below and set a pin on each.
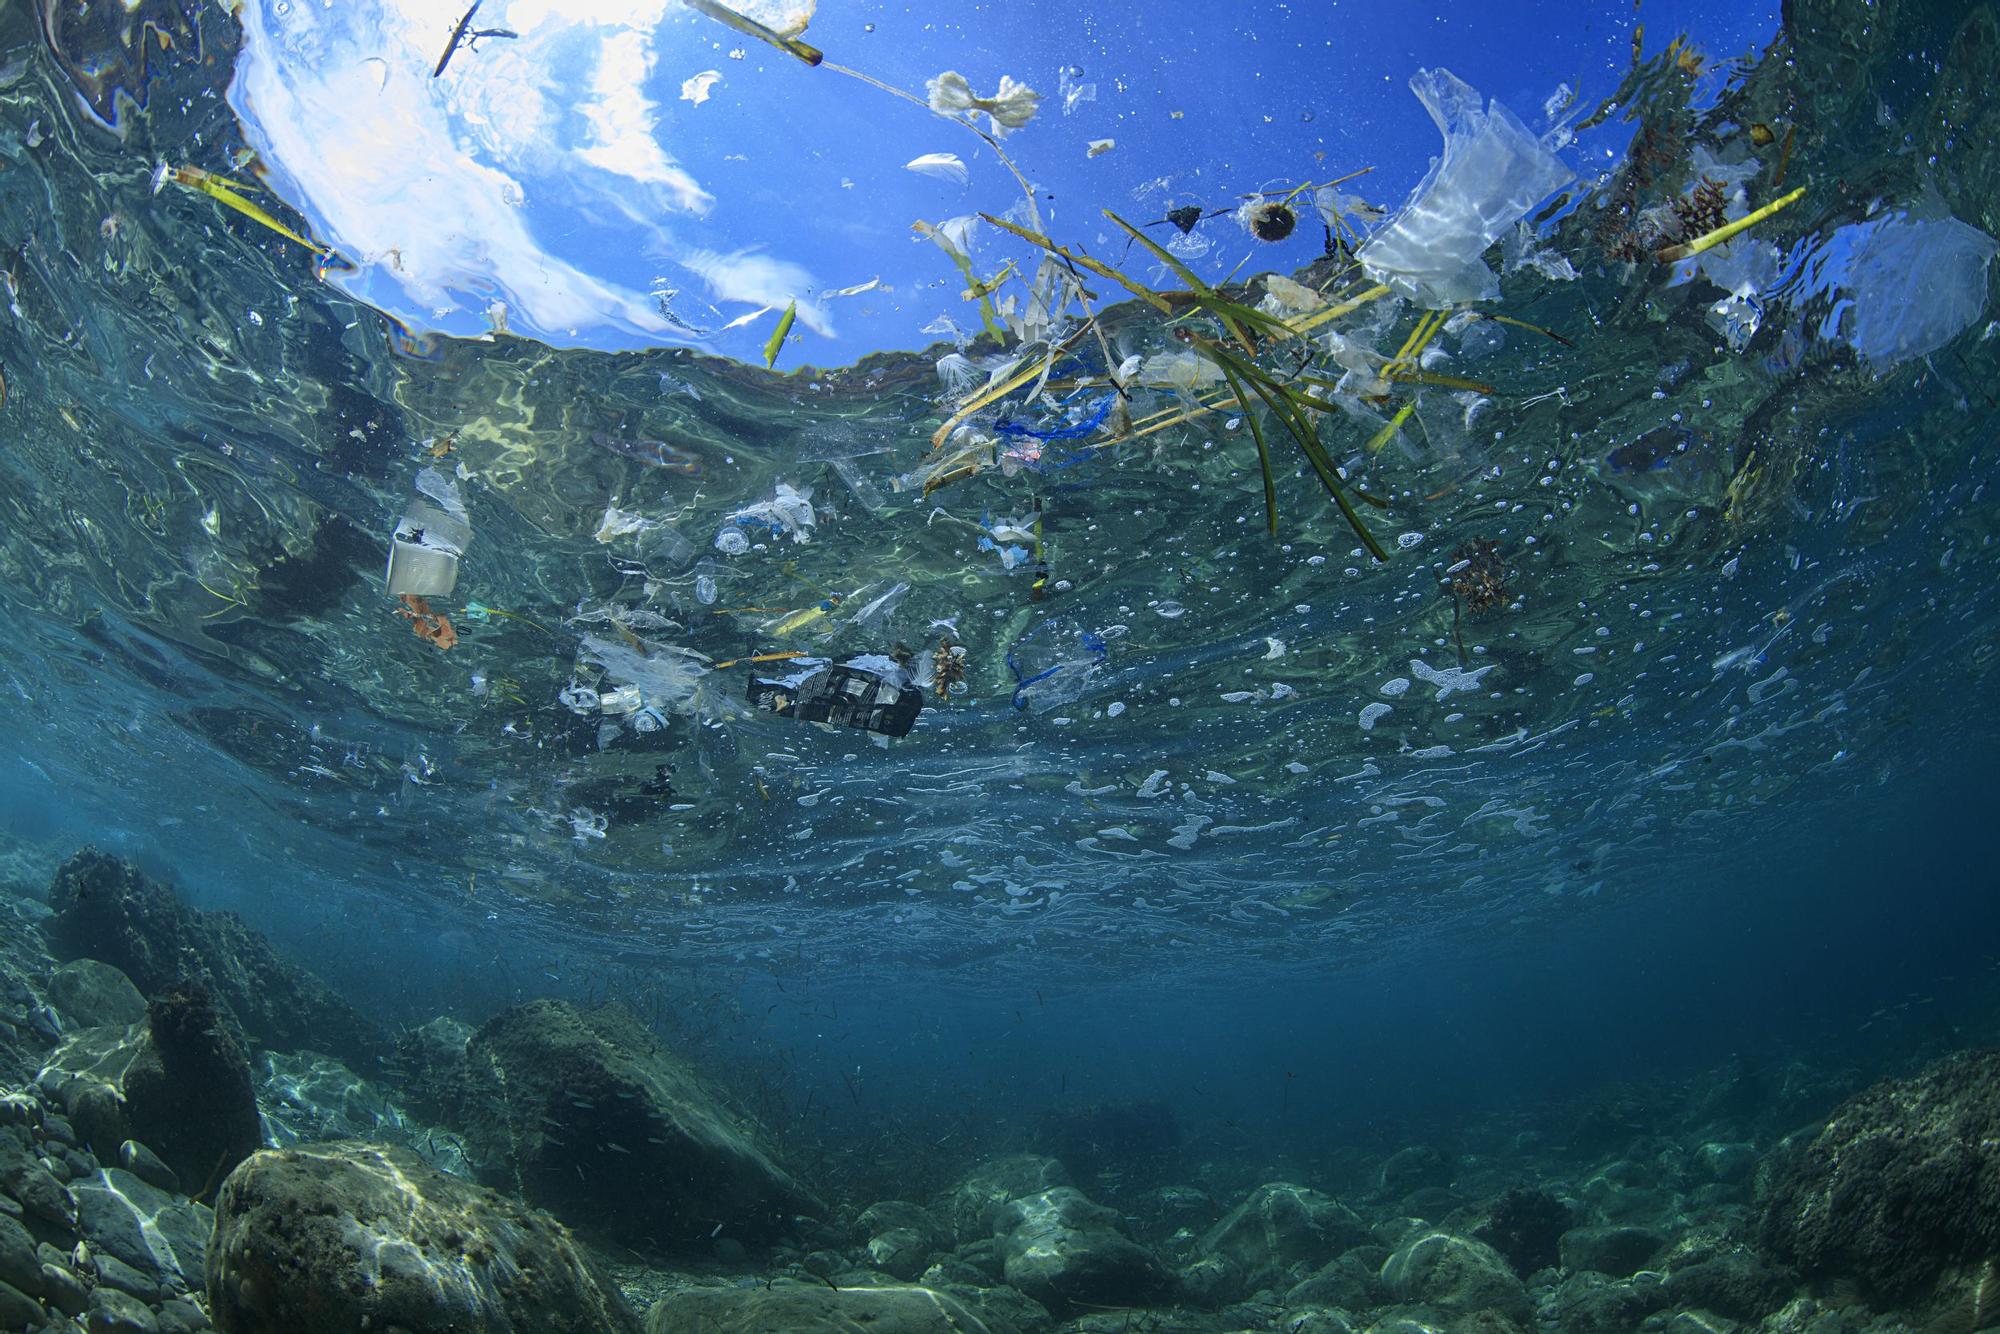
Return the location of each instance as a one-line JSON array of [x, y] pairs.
[[1673, 254]]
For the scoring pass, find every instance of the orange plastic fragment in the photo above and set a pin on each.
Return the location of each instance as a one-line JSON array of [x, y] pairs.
[[433, 627]]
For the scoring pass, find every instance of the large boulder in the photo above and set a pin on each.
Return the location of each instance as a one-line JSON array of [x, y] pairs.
[[178, 1082], [590, 1118], [1456, 1275], [1587, 1302], [1525, 1226], [89, 993], [342, 1237], [795, 1308], [1279, 1231], [107, 909], [1901, 1184], [900, 1237], [1064, 1251], [25, 1179], [976, 1204], [1617, 1251]]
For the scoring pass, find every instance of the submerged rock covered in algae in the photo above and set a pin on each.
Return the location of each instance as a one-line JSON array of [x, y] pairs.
[[342, 1237]]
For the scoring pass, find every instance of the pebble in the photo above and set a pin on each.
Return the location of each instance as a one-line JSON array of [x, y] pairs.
[[56, 1126]]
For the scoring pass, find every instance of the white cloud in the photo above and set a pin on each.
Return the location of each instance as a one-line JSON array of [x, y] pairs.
[[448, 194], [759, 280]]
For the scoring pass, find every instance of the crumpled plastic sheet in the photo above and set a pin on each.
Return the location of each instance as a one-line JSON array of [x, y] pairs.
[[1492, 173], [1054, 663], [1905, 286], [668, 678]]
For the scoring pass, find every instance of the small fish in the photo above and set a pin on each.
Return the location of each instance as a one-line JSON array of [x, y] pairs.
[[1654, 451], [652, 453]]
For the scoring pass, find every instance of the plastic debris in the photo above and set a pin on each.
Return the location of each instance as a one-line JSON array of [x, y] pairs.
[[1492, 172], [1905, 286], [789, 512], [1013, 105], [944, 166], [872, 692], [661, 678], [877, 613], [858, 482], [1054, 663], [777, 340], [1519, 251], [429, 540], [1073, 91], [1013, 539], [433, 627]]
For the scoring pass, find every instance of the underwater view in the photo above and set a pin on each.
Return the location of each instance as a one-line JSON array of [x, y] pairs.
[[760, 665]]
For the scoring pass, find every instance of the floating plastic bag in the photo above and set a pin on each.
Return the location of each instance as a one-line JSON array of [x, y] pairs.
[[789, 512], [1492, 172], [665, 677], [1054, 664], [1906, 286]]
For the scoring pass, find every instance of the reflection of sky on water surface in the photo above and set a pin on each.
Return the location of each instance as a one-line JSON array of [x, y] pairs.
[[583, 168]]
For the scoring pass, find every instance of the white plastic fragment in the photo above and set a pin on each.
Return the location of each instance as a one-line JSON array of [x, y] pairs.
[[788, 512], [1373, 713], [696, 89], [944, 166], [1013, 105]]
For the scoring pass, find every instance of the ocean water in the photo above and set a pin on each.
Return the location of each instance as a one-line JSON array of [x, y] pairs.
[[1589, 808]]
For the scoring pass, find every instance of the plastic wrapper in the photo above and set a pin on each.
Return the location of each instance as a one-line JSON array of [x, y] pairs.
[[1904, 286], [871, 692], [665, 678], [1054, 663], [861, 485], [789, 512], [1492, 172]]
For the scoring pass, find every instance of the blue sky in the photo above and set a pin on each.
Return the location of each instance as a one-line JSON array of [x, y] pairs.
[[791, 181]]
